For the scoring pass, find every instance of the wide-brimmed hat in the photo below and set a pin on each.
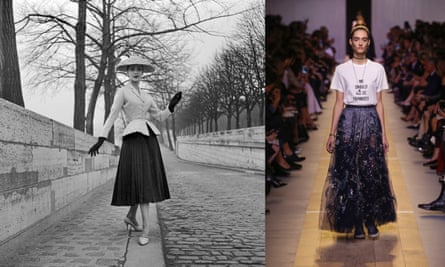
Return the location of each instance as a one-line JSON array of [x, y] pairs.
[[135, 60]]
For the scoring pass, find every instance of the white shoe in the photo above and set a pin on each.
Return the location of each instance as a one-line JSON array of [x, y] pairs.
[[143, 240]]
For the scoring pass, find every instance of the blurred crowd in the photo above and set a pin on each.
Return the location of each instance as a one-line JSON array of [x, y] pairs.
[[415, 63], [414, 59], [299, 66]]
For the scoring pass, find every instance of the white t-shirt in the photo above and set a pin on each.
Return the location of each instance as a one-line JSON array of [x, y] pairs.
[[360, 83]]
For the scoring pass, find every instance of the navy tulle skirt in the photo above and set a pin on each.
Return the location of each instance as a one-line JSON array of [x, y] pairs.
[[357, 187], [140, 174]]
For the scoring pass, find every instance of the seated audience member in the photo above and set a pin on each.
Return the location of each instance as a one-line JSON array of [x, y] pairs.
[[425, 95], [439, 203]]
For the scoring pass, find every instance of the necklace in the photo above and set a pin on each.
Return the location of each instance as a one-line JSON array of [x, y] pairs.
[[355, 73]]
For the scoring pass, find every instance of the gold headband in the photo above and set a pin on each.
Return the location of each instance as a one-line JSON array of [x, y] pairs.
[[359, 27]]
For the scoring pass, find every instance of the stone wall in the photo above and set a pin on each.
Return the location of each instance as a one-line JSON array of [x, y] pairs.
[[44, 166], [240, 148]]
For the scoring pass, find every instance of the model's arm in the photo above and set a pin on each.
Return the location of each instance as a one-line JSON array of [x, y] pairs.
[[380, 112], [118, 102], [338, 108]]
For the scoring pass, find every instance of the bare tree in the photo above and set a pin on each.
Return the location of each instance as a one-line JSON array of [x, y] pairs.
[[208, 88], [227, 80], [233, 83], [10, 84], [191, 114], [251, 55]]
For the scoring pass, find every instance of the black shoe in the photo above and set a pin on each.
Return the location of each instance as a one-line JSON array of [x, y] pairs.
[[295, 166], [359, 233], [373, 232], [430, 162], [412, 139], [434, 166], [277, 183], [274, 181], [293, 158], [435, 205], [299, 159], [279, 168], [414, 142]]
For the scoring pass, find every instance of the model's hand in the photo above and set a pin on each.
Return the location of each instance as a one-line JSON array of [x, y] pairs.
[[95, 148], [330, 144], [174, 101]]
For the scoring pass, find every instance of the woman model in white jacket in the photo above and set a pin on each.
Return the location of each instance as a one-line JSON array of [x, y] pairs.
[[140, 177]]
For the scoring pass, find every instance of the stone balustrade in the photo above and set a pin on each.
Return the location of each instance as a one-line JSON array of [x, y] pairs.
[[240, 148], [44, 167]]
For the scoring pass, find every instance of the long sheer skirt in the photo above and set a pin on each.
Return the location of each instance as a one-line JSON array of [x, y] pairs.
[[357, 187], [140, 174]]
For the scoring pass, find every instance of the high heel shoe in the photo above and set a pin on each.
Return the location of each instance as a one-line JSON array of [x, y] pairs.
[[130, 224]]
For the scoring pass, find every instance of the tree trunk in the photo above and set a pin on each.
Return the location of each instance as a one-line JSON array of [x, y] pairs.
[[101, 71], [109, 81], [109, 91], [237, 120], [249, 117], [10, 84], [229, 121], [79, 83], [94, 95], [215, 118]]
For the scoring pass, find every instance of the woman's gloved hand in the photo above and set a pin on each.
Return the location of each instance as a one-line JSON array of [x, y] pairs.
[[95, 148], [174, 101]]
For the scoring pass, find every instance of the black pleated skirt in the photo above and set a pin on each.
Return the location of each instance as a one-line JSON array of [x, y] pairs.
[[140, 174], [357, 186]]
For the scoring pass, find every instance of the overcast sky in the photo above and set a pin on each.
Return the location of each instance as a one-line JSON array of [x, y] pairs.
[[59, 105]]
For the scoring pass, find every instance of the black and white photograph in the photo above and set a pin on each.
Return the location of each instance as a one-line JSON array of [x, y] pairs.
[[132, 133]]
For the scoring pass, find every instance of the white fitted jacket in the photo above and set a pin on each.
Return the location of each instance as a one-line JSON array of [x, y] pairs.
[[138, 110]]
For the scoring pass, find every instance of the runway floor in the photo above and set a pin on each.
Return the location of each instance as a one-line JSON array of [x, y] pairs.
[[293, 238]]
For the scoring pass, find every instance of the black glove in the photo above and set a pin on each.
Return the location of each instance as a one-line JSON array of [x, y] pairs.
[[95, 148], [174, 101]]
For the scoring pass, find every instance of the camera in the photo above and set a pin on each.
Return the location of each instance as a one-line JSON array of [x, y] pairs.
[[304, 70]]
